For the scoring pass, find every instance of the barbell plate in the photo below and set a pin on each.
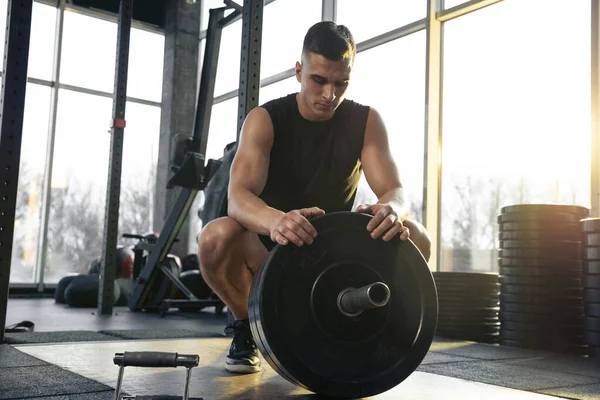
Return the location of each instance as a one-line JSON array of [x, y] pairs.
[[301, 333], [546, 208]]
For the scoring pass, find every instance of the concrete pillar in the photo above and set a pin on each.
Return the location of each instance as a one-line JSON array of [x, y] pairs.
[[180, 77]]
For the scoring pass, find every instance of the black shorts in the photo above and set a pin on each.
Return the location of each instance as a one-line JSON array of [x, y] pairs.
[[267, 242]]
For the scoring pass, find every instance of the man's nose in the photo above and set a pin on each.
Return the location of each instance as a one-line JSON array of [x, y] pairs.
[[329, 92]]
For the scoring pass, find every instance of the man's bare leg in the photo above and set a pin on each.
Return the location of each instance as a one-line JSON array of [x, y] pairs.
[[420, 237], [229, 257]]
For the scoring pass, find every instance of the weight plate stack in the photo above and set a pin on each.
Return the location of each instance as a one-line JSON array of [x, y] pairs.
[[541, 291], [468, 306], [590, 229]]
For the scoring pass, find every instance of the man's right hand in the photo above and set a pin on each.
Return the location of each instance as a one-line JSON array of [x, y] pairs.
[[294, 227]]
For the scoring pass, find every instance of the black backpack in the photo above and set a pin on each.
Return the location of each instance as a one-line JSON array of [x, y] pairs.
[[215, 192]]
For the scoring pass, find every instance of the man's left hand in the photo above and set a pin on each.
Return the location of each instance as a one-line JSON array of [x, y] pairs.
[[385, 220]]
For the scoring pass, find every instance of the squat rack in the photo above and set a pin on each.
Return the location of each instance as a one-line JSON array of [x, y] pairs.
[[14, 80]]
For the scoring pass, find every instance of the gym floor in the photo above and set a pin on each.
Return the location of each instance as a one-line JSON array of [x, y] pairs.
[[62, 366]]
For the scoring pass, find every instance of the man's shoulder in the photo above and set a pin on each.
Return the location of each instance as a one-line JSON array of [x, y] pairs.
[[352, 107], [279, 102]]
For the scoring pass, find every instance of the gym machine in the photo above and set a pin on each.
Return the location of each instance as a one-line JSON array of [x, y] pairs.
[[188, 162]]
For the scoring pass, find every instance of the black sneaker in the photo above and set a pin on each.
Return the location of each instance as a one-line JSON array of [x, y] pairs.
[[243, 354]]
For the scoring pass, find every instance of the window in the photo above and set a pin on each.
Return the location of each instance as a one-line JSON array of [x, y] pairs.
[[138, 176], [146, 57], [284, 27], [29, 191], [228, 70], [368, 19], [223, 128], [207, 5], [516, 120], [41, 42], [88, 52], [278, 89], [453, 3], [397, 92], [79, 182]]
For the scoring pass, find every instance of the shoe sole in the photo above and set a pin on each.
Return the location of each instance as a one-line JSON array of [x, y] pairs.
[[242, 369]]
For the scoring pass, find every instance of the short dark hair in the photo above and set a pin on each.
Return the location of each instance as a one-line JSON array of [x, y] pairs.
[[332, 41]]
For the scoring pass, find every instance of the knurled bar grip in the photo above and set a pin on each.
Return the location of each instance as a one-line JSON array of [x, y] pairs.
[[156, 359]]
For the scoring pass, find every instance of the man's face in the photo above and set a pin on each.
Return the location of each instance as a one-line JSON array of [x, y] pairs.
[[323, 84]]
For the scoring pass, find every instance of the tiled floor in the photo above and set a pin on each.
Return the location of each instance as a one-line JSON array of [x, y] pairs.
[[211, 381]]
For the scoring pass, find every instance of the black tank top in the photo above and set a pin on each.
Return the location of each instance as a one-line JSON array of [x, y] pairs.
[[314, 163]]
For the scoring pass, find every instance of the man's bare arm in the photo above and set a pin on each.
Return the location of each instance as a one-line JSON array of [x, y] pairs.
[[382, 176], [249, 173]]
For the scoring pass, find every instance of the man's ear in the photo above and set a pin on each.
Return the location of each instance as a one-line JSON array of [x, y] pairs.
[[298, 71]]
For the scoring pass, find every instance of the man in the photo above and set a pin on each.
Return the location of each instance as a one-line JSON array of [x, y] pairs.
[[301, 156]]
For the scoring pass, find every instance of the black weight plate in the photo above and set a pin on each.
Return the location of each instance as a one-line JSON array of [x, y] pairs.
[[591, 267], [556, 253], [540, 262], [592, 338], [546, 208], [565, 320], [542, 245], [539, 217], [590, 225], [457, 298], [456, 328], [468, 309], [592, 324], [310, 342], [543, 329], [591, 239], [541, 291], [547, 339], [591, 295], [547, 311], [591, 253], [552, 281], [539, 235], [545, 226], [594, 351], [551, 301], [592, 309], [534, 345], [541, 272], [591, 281]]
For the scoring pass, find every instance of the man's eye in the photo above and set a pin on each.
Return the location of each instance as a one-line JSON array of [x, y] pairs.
[[341, 84], [319, 81]]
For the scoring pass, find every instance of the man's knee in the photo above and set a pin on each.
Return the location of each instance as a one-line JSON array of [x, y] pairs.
[[420, 237], [213, 241]]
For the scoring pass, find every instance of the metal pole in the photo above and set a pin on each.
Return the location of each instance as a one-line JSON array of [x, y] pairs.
[[252, 18], [111, 220], [329, 10], [433, 132], [14, 84], [42, 247]]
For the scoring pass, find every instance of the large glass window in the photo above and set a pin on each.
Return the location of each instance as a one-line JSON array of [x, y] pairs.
[[284, 27], [228, 71], [138, 176], [223, 128], [452, 3], [41, 44], [397, 92], [516, 119], [146, 57], [88, 52], [278, 89], [31, 176], [378, 16], [79, 179]]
